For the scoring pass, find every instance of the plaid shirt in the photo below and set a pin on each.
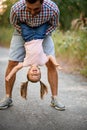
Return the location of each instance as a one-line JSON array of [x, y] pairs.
[[49, 13]]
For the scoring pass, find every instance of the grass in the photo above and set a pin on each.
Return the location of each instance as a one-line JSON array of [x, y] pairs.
[[72, 47]]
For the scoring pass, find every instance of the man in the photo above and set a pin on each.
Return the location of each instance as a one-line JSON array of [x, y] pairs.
[[34, 13]]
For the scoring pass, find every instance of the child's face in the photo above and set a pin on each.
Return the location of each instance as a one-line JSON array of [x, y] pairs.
[[34, 74]]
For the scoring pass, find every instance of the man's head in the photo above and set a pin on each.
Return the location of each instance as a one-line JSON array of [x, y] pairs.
[[34, 1], [34, 6], [34, 74]]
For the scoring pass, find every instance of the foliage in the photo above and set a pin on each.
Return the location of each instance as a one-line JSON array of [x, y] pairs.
[[5, 37], [84, 71], [73, 47], [69, 10], [4, 18]]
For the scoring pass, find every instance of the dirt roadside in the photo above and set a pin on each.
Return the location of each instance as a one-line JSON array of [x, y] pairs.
[[70, 68]]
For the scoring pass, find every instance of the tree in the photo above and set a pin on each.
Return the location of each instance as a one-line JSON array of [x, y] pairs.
[[69, 10], [4, 18]]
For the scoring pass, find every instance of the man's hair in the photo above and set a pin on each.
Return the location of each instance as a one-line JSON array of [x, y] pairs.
[[33, 1]]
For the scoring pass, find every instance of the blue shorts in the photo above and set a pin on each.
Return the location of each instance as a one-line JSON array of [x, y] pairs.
[[17, 51]]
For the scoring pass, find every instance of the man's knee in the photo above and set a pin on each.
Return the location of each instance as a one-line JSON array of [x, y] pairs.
[[50, 66]]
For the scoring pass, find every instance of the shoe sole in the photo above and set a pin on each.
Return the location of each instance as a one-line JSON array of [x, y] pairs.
[[5, 107], [60, 109]]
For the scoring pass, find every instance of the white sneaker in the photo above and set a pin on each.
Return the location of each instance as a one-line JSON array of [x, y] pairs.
[[5, 103], [57, 105]]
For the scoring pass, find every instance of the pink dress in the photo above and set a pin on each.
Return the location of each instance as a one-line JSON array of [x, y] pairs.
[[34, 53]]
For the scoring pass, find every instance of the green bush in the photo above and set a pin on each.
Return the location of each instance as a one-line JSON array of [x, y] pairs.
[[5, 36], [72, 46]]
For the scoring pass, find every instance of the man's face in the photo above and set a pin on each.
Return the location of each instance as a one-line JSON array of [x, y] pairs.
[[34, 8]]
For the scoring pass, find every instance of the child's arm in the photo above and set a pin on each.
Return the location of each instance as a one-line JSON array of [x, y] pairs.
[[13, 71], [53, 60]]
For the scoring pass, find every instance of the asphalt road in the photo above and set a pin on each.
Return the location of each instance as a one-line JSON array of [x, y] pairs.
[[37, 114]]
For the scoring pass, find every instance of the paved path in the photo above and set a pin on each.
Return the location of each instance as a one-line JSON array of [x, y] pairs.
[[36, 114]]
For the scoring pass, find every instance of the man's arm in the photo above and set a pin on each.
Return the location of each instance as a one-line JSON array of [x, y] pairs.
[[14, 20], [54, 20]]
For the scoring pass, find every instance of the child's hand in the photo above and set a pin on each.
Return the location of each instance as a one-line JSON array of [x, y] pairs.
[[7, 78], [58, 67]]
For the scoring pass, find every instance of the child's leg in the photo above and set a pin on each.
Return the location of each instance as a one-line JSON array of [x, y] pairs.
[[14, 70]]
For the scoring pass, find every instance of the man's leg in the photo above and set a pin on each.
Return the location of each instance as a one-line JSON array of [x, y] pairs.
[[48, 47], [7, 101], [53, 81], [52, 78], [16, 54]]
